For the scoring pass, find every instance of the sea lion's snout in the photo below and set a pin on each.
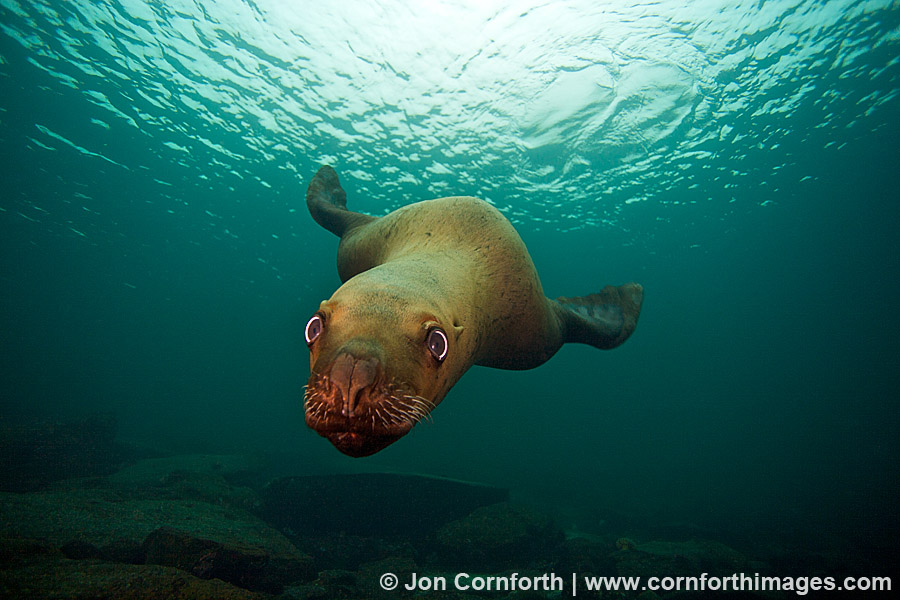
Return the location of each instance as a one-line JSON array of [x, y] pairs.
[[351, 376], [360, 410]]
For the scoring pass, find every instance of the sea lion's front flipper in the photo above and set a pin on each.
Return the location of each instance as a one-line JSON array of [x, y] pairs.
[[327, 202], [602, 320]]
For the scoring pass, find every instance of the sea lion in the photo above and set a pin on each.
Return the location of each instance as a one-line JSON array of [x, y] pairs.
[[428, 291]]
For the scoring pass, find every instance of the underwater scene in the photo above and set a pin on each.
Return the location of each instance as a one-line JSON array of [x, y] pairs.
[[659, 357]]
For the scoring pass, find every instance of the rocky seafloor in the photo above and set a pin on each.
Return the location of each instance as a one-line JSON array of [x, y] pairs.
[[85, 518]]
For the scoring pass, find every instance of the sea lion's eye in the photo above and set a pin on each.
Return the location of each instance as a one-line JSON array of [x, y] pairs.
[[313, 329], [437, 343]]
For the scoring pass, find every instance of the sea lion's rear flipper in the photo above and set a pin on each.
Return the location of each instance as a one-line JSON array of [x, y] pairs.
[[602, 320], [327, 202]]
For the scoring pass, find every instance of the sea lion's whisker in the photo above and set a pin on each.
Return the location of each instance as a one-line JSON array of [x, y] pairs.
[[410, 408], [313, 411], [428, 403], [397, 414], [397, 418], [420, 410], [411, 416], [416, 412], [420, 406], [380, 416]]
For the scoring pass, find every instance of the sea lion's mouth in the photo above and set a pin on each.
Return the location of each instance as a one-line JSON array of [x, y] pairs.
[[358, 445], [380, 415]]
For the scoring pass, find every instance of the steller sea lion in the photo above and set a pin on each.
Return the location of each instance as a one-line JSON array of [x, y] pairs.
[[428, 291]]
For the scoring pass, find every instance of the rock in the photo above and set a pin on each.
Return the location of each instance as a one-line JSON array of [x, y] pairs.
[[497, 537], [338, 583], [14, 549], [123, 551], [309, 591], [244, 565], [368, 579], [34, 455], [341, 551], [241, 547], [152, 471], [80, 550], [587, 556], [371, 504], [624, 543], [682, 558], [95, 580], [201, 477], [103, 516]]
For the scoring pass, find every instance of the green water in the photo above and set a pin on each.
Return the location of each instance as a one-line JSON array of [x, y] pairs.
[[738, 159]]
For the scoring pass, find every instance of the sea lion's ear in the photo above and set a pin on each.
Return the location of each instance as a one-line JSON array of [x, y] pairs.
[[602, 320], [457, 331]]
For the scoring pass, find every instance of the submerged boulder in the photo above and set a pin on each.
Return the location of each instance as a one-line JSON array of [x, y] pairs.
[[248, 566], [348, 552], [682, 558], [372, 504], [588, 555], [207, 477], [152, 470], [93, 580], [214, 541], [497, 537]]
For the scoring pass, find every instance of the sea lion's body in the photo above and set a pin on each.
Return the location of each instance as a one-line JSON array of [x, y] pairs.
[[455, 265], [462, 255]]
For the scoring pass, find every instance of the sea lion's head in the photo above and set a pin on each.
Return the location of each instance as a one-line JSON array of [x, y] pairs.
[[380, 361]]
